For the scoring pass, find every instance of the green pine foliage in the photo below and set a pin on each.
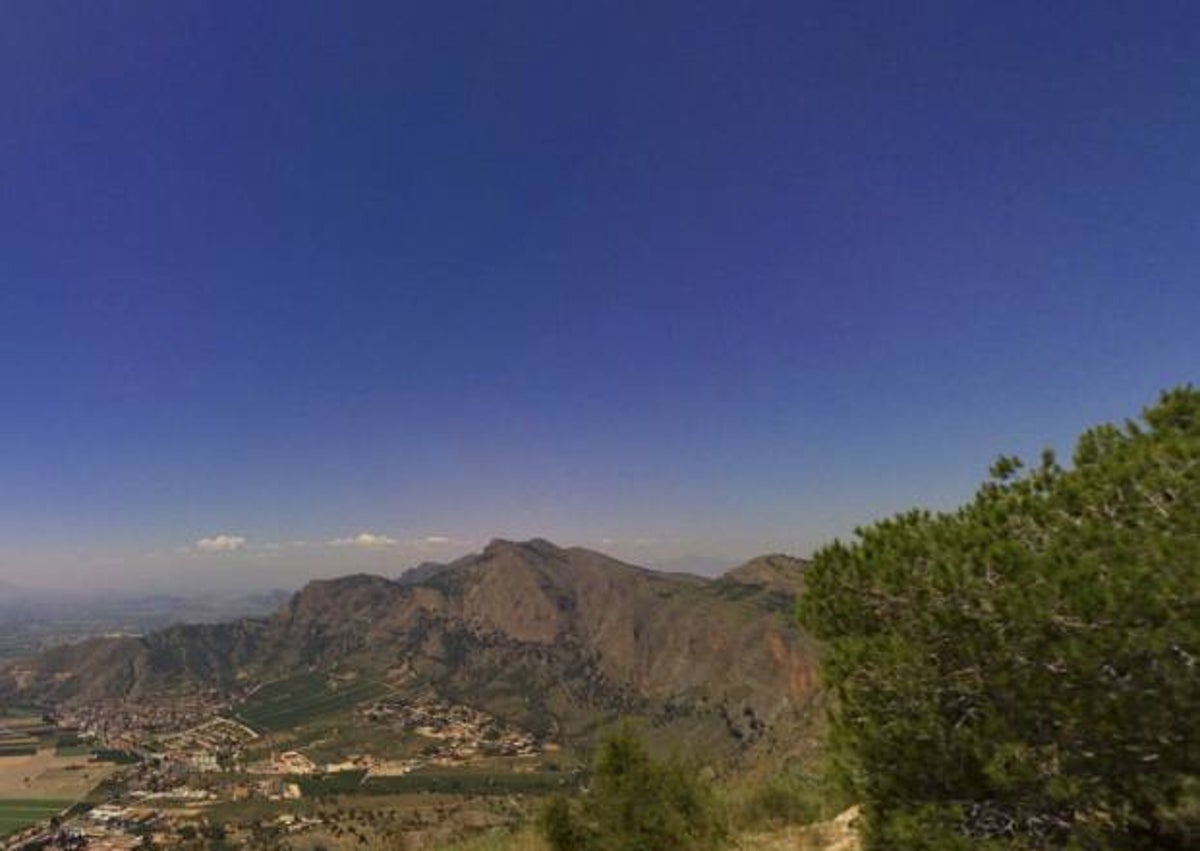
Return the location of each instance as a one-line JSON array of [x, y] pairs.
[[635, 803], [1025, 672]]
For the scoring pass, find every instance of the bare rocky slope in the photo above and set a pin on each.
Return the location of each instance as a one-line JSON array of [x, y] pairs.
[[560, 639]]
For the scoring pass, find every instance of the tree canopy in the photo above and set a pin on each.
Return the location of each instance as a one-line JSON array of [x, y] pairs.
[[1023, 672]]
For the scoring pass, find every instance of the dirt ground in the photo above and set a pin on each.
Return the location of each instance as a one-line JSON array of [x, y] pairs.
[[836, 835], [44, 775]]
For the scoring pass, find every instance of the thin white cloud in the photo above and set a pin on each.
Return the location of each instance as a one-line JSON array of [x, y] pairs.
[[365, 539], [221, 544], [435, 540]]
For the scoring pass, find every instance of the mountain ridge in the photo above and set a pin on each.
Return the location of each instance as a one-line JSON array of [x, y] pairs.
[[776, 571], [529, 630]]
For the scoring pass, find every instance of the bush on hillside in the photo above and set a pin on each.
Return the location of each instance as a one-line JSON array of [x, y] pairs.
[[1025, 672], [791, 797], [635, 803]]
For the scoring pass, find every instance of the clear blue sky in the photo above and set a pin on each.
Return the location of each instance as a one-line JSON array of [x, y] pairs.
[[661, 278]]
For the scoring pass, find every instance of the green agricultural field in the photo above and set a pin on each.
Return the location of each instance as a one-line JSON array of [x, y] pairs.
[[72, 750], [339, 783], [471, 783], [297, 701], [116, 757], [18, 748], [17, 815], [72, 745]]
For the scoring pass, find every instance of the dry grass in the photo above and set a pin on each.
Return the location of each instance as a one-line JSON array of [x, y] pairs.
[[838, 834], [44, 775], [526, 840]]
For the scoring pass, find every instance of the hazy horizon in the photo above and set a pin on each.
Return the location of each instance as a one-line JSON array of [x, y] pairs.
[[295, 295], [233, 564]]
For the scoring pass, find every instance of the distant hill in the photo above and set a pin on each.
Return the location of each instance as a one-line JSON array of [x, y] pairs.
[[698, 565], [557, 639]]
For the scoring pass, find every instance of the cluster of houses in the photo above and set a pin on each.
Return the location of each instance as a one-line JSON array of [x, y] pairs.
[[128, 724], [189, 758], [464, 734], [212, 746], [288, 762]]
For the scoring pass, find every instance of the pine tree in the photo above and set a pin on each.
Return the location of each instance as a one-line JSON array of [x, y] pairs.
[[1022, 673]]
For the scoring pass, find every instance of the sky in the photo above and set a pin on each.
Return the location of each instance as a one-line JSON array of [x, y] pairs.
[[295, 289]]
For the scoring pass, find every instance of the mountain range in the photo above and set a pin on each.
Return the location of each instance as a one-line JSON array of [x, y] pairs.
[[560, 640]]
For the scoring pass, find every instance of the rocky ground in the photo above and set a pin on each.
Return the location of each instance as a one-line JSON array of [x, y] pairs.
[[839, 834]]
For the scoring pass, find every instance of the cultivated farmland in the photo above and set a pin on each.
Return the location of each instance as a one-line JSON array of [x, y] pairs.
[[43, 775], [18, 814], [296, 701]]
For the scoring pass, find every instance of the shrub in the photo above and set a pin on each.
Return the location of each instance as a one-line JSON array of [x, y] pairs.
[[635, 803], [793, 797]]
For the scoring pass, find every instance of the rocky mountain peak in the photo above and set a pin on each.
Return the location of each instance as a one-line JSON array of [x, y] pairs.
[[534, 547]]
